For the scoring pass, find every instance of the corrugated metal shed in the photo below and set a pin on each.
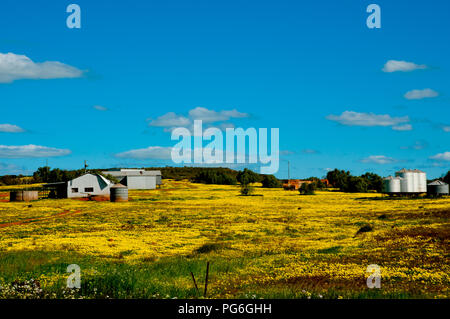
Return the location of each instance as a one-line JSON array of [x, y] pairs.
[[137, 178], [438, 188]]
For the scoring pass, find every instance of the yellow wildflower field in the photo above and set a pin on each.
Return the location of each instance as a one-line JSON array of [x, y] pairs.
[[275, 243]]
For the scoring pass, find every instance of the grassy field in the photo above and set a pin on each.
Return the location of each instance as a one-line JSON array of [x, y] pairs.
[[275, 244]]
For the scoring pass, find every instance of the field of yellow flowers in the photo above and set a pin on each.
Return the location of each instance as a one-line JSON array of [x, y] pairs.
[[273, 244]]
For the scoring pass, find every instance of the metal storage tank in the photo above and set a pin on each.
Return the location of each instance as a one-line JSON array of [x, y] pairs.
[[119, 193], [391, 184], [407, 181], [416, 181], [23, 196], [422, 187], [438, 188]]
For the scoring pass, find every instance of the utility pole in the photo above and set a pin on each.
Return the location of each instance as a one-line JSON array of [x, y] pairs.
[[85, 166], [289, 172]]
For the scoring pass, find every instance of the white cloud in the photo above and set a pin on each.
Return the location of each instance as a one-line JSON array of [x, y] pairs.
[[9, 128], [351, 118], [441, 157], [378, 159], [170, 120], [404, 127], [403, 66], [446, 128], [207, 116], [309, 151], [152, 152], [11, 169], [100, 108], [235, 114], [418, 145], [211, 116], [23, 151], [420, 94], [16, 67]]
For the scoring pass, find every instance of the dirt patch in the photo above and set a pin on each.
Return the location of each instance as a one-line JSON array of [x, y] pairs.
[[40, 219], [436, 213], [435, 233]]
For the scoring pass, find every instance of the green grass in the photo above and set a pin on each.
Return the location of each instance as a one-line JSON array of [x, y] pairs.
[[163, 278]]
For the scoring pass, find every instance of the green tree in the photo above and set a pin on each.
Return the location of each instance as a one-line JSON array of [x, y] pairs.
[[247, 177], [339, 178], [42, 175], [317, 181], [446, 178], [374, 181], [270, 181], [45, 175], [215, 177], [356, 184]]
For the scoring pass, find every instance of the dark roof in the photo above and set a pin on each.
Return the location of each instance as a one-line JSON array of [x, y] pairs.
[[436, 183]]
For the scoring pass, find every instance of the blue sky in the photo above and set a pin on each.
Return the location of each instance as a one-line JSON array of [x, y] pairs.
[[313, 69]]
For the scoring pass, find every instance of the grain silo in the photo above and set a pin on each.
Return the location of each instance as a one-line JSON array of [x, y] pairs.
[[438, 188], [416, 181], [391, 184], [119, 193], [407, 182], [422, 181]]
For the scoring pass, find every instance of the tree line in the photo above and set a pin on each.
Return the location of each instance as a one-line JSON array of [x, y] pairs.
[[355, 184], [219, 175]]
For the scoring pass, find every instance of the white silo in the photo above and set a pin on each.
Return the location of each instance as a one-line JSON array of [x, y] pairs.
[[416, 181], [404, 185], [407, 181], [391, 184], [422, 182]]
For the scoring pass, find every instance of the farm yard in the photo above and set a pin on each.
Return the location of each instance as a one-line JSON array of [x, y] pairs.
[[274, 244]]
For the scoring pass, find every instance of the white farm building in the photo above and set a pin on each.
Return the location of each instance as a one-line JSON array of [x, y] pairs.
[[83, 186], [136, 178]]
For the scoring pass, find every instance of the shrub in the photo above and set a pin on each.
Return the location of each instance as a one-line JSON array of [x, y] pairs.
[[364, 229], [307, 189], [247, 189], [270, 181]]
